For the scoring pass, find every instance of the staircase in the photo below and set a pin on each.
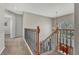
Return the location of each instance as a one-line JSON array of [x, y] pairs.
[[58, 42], [49, 44]]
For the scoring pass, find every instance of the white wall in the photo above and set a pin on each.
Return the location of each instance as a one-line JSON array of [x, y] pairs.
[[66, 18], [13, 24], [32, 21], [2, 45], [19, 25], [16, 24], [7, 28]]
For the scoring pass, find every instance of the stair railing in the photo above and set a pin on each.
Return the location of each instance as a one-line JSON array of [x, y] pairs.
[[32, 39], [37, 49], [48, 44], [60, 41], [65, 40]]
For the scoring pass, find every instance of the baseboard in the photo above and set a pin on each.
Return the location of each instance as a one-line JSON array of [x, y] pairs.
[[2, 50], [61, 52], [28, 47]]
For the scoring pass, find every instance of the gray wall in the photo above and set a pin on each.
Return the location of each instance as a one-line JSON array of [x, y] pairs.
[[76, 29], [19, 25]]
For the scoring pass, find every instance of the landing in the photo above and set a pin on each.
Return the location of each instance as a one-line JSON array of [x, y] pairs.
[[15, 46]]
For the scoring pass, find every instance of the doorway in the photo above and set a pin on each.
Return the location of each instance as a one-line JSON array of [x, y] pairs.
[[8, 27]]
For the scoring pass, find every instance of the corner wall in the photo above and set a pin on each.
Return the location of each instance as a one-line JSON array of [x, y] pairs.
[[76, 28], [69, 18], [32, 21], [2, 38]]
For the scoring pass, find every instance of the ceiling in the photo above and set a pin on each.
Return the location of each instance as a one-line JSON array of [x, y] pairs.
[[43, 9]]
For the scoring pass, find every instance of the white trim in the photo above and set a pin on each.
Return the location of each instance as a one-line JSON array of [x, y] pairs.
[[61, 52], [28, 47], [2, 50]]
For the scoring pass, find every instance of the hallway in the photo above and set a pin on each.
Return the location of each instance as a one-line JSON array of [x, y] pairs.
[[15, 46]]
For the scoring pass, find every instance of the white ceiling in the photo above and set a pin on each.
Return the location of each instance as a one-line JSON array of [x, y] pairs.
[[44, 9]]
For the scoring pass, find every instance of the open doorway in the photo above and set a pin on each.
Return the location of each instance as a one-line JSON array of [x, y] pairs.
[[8, 27], [13, 25]]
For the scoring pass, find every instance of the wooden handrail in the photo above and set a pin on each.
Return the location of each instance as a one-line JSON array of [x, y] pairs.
[[47, 38], [57, 40], [37, 49], [48, 42], [67, 29], [34, 30], [37, 40]]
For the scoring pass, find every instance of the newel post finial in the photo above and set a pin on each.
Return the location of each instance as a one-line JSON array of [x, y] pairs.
[[38, 29]]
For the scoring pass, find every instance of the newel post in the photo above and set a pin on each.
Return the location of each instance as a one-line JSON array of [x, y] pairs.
[[37, 41]]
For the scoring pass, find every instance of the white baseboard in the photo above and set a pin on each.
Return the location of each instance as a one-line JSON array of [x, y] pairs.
[[2, 50], [28, 47], [61, 52]]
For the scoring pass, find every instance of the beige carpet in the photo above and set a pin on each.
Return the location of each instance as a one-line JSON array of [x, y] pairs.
[[15, 46]]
